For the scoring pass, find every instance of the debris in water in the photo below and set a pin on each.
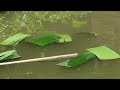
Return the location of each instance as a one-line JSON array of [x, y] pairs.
[[29, 73]]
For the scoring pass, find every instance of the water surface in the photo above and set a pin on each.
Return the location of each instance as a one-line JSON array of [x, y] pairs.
[[105, 23]]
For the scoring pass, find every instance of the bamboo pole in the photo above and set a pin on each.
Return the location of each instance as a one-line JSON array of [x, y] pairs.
[[41, 59]]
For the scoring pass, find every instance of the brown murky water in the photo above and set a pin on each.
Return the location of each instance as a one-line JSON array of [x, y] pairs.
[[105, 23]]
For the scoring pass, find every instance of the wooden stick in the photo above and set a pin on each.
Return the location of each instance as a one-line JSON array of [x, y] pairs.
[[41, 59]]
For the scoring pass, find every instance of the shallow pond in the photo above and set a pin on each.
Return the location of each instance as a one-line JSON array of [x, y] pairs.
[[105, 23]]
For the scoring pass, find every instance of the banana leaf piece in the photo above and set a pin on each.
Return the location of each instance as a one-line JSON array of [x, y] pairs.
[[80, 59], [104, 53], [14, 39], [51, 38], [12, 54], [64, 38], [45, 40]]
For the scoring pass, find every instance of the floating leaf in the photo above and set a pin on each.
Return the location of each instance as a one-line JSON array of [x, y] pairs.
[[78, 60], [45, 40], [14, 39], [91, 33], [12, 54], [78, 24], [64, 38], [104, 53], [6, 54], [51, 38]]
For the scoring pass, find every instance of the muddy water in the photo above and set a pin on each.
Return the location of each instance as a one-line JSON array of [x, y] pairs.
[[106, 24]]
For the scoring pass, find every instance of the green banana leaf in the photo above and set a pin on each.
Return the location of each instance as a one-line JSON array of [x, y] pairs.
[[86, 56], [45, 40], [104, 53], [51, 38], [14, 39], [12, 54]]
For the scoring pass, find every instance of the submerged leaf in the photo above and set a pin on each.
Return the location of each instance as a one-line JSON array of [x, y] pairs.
[[104, 53], [91, 33], [12, 54], [78, 24], [14, 39], [78, 60]]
